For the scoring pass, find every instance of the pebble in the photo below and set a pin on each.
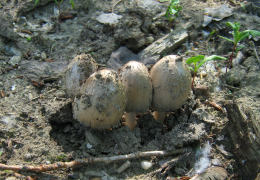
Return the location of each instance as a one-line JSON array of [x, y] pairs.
[[89, 146], [15, 60], [43, 55], [146, 165]]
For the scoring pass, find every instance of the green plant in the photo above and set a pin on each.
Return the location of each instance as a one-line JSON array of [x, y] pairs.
[[29, 39], [196, 62], [58, 2], [237, 37], [173, 9]]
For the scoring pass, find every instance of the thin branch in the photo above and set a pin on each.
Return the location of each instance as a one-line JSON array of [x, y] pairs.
[[90, 160], [165, 167]]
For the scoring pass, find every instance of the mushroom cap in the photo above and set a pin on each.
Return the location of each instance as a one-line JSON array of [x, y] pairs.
[[136, 79], [171, 81], [79, 69], [102, 101]]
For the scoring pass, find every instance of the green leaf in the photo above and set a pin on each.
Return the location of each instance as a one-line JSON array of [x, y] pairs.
[[163, 1], [72, 4], [36, 2], [195, 59], [230, 40], [215, 57], [211, 58], [241, 36], [173, 8], [230, 24], [253, 33]]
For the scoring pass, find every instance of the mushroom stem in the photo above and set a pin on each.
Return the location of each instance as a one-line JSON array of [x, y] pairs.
[[130, 120], [159, 116]]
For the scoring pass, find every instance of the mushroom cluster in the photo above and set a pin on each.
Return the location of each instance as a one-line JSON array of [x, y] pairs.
[[101, 99]]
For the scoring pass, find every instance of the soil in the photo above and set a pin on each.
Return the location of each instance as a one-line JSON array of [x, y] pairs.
[[36, 122]]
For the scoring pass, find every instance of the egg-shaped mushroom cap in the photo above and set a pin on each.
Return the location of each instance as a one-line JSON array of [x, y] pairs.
[[136, 79], [79, 69], [171, 81], [102, 101]]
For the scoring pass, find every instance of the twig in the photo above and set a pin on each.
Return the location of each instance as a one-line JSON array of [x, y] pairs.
[[215, 105], [90, 160], [168, 165]]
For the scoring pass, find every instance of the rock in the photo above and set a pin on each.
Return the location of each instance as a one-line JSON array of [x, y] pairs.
[[216, 14], [244, 130], [7, 28], [109, 18], [43, 55], [15, 60], [59, 111], [183, 133], [37, 70], [120, 57], [146, 165], [201, 90], [238, 59], [165, 44], [235, 76], [92, 139], [216, 173]]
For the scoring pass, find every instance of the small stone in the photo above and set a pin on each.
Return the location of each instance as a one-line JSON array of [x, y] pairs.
[[28, 156], [89, 146], [43, 55], [48, 162], [109, 18], [149, 40], [15, 60], [216, 162], [146, 165]]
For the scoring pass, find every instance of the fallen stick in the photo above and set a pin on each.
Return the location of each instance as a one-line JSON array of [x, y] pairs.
[[90, 160], [165, 167]]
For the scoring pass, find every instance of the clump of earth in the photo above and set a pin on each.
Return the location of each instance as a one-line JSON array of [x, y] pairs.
[[219, 122]]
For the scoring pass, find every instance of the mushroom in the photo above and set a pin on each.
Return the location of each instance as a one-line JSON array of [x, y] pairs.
[[171, 81], [135, 77], [79, 69], [102, 100]]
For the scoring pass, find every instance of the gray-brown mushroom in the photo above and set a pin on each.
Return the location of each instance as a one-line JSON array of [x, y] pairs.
[[171, 81], [102, 100], [135, 77], [79, 69]]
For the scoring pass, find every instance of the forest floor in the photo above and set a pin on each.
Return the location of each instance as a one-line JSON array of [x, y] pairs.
[[219, 123]]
